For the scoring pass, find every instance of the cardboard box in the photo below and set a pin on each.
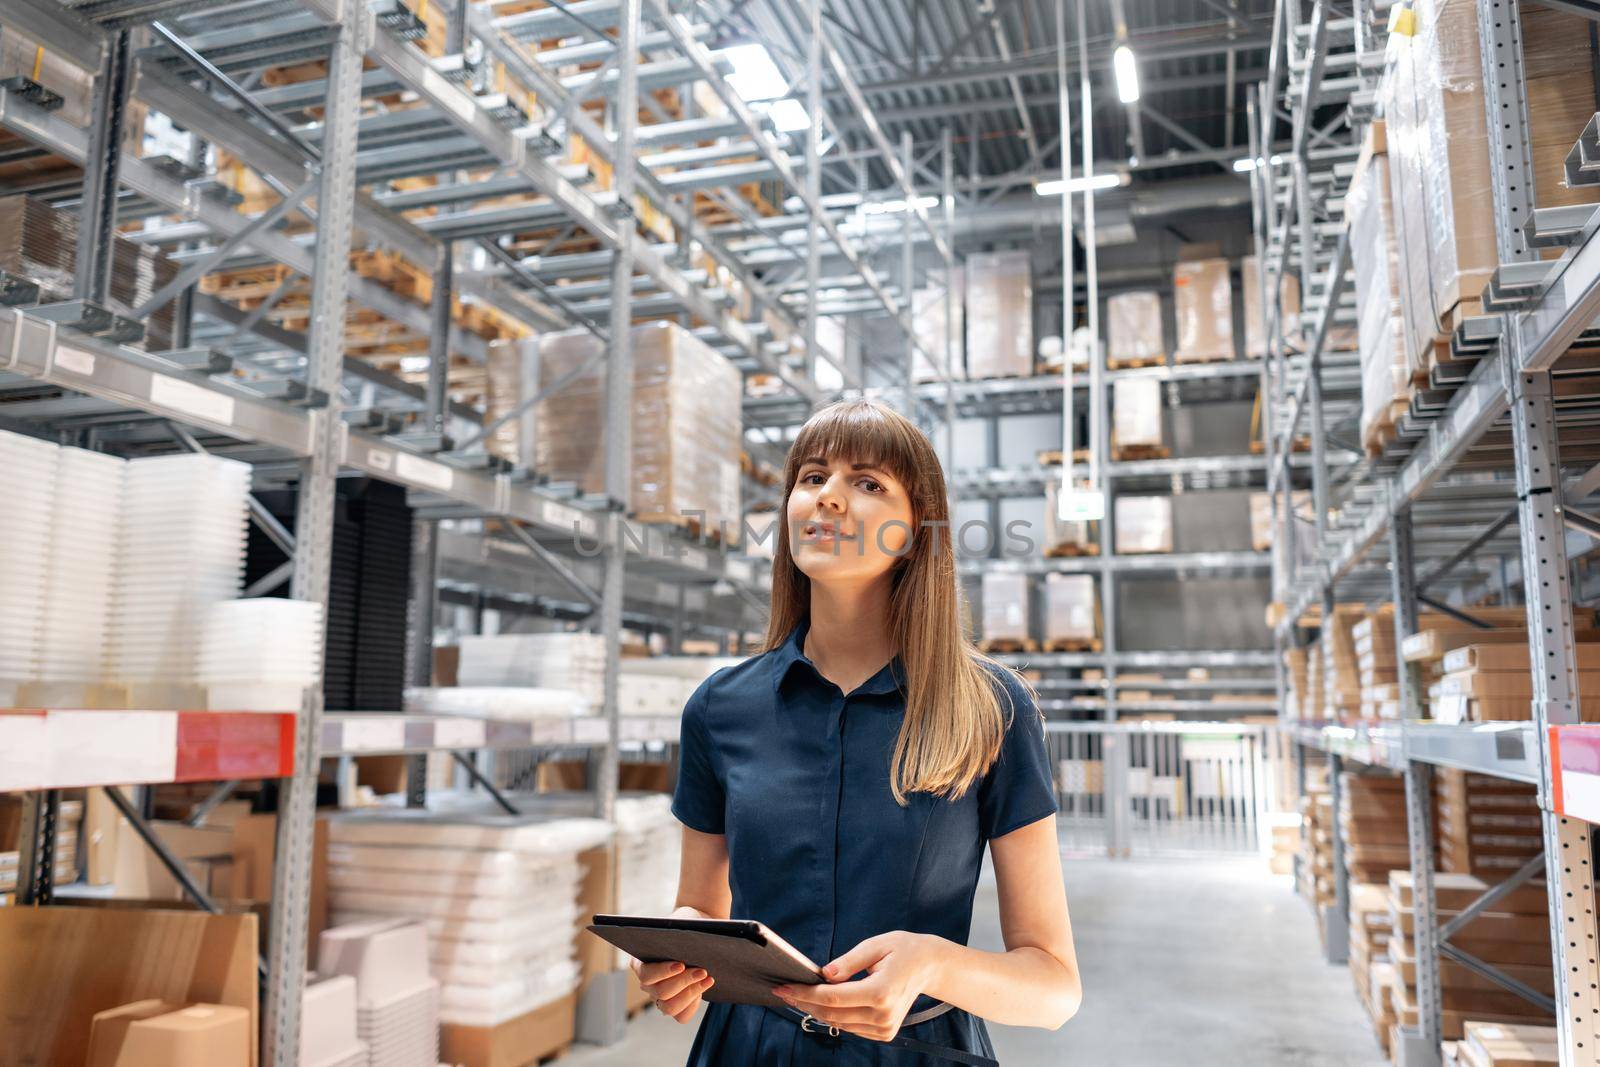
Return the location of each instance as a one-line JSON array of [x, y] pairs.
[[66, 964], [1255, 319], [1071, 609], [527, 1039], [1006, 613], [1136, 413], [1204, 300], [1133, 328], [999, 315], [1143, 524]]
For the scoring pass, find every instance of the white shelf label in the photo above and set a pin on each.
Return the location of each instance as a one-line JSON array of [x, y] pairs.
[[424, 471], [458, 733], [192, 399], [374, 735], [75, 360], [380, 460]]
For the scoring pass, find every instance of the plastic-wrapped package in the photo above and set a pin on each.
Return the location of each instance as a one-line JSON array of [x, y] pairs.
[[1255, 318], [1133, 329], [685, 423], [1005, 606], [1071, 612], [1439, 154], [1136, 413], [927, 322], [1385, 374], [40, 243], [1062, 537], [1143, 524], [513, 368], [999, 315], [1203, 290]]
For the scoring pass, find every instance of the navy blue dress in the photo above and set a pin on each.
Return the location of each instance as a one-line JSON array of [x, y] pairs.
[[796, 774]]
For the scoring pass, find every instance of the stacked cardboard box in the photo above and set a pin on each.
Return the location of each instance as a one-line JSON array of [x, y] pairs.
[[1315, 873], [1385, 375], [1513, 937], [1487, 826], [1286, 837], [999, 315], [1006, 613], [1372, 825], [685, 440], [1485, 1044], [1341, 680], [1136, 417], [1204, 301], [1133, 330], [1255, 319], [1295, 662], [1143, 524], [1071, 611], [927, 323], [1370, 926], [1315, 707], [1439, 170], [1381, 981], [1376, 664], [1064, 537], [1493, 682]]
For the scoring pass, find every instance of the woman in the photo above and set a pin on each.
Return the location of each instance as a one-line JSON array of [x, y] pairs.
[[841, 786]]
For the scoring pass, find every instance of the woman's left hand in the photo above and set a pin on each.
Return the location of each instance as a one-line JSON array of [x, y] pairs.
[[900, 964]]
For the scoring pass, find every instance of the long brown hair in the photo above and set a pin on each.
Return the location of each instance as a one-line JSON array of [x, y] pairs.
[[953, 722]]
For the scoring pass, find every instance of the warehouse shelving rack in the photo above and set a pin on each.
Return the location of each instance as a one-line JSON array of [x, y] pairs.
[[1523, 381], [310, 416]]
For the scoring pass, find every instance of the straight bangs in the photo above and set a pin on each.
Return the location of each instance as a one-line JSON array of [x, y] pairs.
[[856, 432]]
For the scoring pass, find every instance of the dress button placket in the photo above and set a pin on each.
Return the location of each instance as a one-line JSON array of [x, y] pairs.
[[833, 797]]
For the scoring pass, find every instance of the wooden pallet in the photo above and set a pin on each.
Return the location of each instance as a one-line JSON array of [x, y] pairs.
[[1209, 357], [1008, 644], [1133, 453], [1302, 443], [1053, 458], [1069, 644], [689, 524], [1070, 550], [1133, 364]]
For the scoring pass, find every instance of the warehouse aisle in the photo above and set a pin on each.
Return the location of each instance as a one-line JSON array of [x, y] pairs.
[[1207, 963]]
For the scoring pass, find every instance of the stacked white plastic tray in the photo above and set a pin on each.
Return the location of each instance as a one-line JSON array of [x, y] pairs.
[[259, 654], [495, 702], [328, 1024], [397, 1002], [662, 685], [82, 561], [182, 550], [573, 661], [27, 487], [648, 840], [497, 893]]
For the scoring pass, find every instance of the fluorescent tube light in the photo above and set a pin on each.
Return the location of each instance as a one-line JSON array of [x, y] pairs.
[[1127, 71], [1056, 186]]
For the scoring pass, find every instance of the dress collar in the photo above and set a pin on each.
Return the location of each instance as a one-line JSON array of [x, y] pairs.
[[787, 656]]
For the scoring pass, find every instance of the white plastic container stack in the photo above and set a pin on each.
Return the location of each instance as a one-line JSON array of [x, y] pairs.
[[328, 1024], [497, 893], [260, 654], [575, 661], [182, 550], [647, 857], [81, 564], [517, 703], [27, 480], [397, 1002]]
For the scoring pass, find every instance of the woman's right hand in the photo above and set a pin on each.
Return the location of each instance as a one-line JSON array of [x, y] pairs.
[[674, 988]]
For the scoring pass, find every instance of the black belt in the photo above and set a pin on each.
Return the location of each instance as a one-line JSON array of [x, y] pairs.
[[812, 1025]]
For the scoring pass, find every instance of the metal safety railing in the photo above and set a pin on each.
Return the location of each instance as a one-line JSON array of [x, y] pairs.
[[1165, 788]]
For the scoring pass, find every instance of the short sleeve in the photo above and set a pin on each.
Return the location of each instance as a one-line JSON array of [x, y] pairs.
[[1018, 789], [698, 800]]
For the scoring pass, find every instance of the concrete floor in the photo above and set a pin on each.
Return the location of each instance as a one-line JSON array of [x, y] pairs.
[[1205, 963]]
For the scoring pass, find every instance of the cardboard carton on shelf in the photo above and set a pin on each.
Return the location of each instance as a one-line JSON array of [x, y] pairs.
[[1133, 329], [999, 315], [1204, 301], [1255, 319], [1143, 524]]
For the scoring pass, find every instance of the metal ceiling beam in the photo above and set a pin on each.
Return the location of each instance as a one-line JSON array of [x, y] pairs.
[[974, 29], [1150, 48]]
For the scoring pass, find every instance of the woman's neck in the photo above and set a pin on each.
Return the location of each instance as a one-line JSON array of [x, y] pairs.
[[849, 638]]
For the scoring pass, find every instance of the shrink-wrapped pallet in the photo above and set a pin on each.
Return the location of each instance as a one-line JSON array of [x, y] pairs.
[[1005, 606], [513, 367], [1439, 167], [685, 424], [1133, 329], [927, 324], [1385, 375], [1071, 612], [1203, 291], [1255, 314], [1143, 524], [999, 315], [1066, 537], [1136, 413]]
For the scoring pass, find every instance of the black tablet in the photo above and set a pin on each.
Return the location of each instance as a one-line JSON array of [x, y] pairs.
[[744, 957]]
